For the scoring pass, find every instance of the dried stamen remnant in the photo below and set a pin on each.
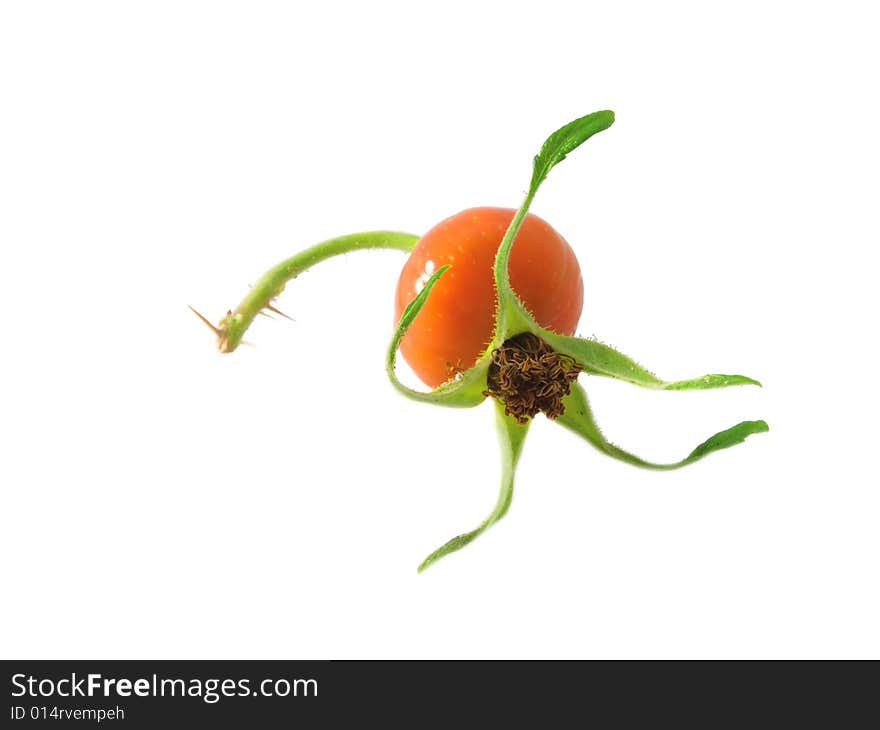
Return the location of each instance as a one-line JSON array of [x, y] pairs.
[[529, 377]]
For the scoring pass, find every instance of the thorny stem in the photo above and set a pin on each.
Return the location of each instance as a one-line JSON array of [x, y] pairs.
[[232, 327]]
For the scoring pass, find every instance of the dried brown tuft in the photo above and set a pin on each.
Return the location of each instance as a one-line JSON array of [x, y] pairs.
[[529, 377]]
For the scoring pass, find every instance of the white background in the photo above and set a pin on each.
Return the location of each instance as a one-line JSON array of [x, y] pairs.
[[161, 500]]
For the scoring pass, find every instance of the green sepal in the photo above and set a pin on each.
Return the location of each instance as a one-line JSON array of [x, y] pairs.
[[511, 437], [578, 417], [511, 316], [599, 359], [465, 391]]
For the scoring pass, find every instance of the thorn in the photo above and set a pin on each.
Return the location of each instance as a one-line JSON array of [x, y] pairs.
[[265, 314], [204, 319], [278, 311], [247, 344]]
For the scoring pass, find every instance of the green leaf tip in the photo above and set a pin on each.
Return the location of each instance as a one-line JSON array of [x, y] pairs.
[[725, 439], [712, 381], [565, 140], [415, 306], [456, 543]]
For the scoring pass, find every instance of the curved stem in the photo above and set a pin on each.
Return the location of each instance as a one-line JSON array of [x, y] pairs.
[[578, 417], [463, 392], [511, 315], [232, 327], [511, 437]]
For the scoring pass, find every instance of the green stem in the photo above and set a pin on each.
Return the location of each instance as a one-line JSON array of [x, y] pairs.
[[578, 417], [511, 317], [511, 437], [233, 326]]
